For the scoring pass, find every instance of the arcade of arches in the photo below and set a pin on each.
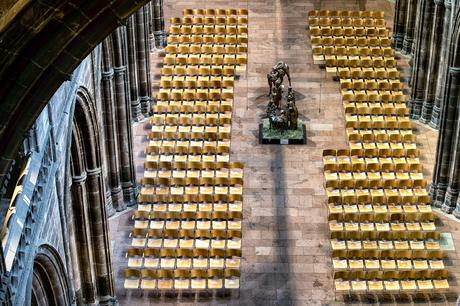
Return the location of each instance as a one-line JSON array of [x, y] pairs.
[[131, 170]]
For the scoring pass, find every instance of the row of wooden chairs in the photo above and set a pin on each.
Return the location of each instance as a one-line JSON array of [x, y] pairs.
[[235, 168], [206, 59], [191, 207], [378, 123], [369, 96], [352, 196], [215, 12], [371, 84], [368, 207], [192, 181], [387, 150], [191, 154], [207, 20], [218, 29], [368, 73], [184, 258], [205, 48], [191, 200], [203, 70], [384, 246], [353, 51], [195, 83], [356, 31], [346, 14], [376, 216], [363, 72], [360, 61], [352, 264], [189, 113], [194, 95], [181, 279], [350, 41], [214, 39], [346, 22], [371, 136], [200, 240]]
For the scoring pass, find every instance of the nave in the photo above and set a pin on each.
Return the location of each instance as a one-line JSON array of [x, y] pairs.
[[286, 253]]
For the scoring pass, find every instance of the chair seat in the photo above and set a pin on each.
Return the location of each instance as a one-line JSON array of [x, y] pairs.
[[232, 283], [131, 283], [181, 283], [148, 284], [165, 284], [198, 283], [424, 284], [215, 283]]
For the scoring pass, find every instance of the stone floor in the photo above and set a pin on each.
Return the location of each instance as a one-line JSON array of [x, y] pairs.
[[286, 252]]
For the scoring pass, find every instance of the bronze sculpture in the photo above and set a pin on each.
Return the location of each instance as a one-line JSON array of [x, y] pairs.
[[281, 118]]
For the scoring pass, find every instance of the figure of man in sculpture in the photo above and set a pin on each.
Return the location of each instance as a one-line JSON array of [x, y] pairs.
[[275, 82]]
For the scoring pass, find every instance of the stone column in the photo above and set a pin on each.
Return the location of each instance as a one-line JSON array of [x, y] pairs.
[[446, 140], [158, 24], [452, 98], [433, 64], [132, 64], [123, 125], [109, 125], [421, 58], [399, 25], [81, 245], [410, 26], [143, 67], [100, 237], [442, 74]]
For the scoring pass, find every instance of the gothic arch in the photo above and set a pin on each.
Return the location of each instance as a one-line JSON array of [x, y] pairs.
[[49, 287], [33, 64], [89, 229]]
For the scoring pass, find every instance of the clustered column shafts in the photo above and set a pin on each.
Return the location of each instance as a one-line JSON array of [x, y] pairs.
[[442, 75], [109, 125], [143, 67], [100, 241], [123, 125], [433, 65], [132, 64], [399, 25], [410, 26], [158, 24], [83, 243], [421, 58]]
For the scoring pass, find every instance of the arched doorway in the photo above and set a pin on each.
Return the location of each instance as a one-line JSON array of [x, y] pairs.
[[49, 285], [90, 248]]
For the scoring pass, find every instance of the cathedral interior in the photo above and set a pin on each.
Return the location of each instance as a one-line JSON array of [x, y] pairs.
[[132, 170]]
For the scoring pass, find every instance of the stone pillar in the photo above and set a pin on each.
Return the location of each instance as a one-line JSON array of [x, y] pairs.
[[81, 245], [399, 25], [433, 64], [158, 24], [123, 125], [452, 98], [98, 224], [136, 114], [109, 125], [421, 58], [143, 67], [442, 74], [410, 26], [445, 147]]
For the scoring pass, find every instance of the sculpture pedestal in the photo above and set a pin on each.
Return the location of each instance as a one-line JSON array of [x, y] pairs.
[[272, 136]]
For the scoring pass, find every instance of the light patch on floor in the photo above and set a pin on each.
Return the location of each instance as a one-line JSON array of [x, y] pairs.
[[447, 242]]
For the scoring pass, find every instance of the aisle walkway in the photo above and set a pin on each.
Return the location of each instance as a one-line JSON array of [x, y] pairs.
[[285, 244]]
